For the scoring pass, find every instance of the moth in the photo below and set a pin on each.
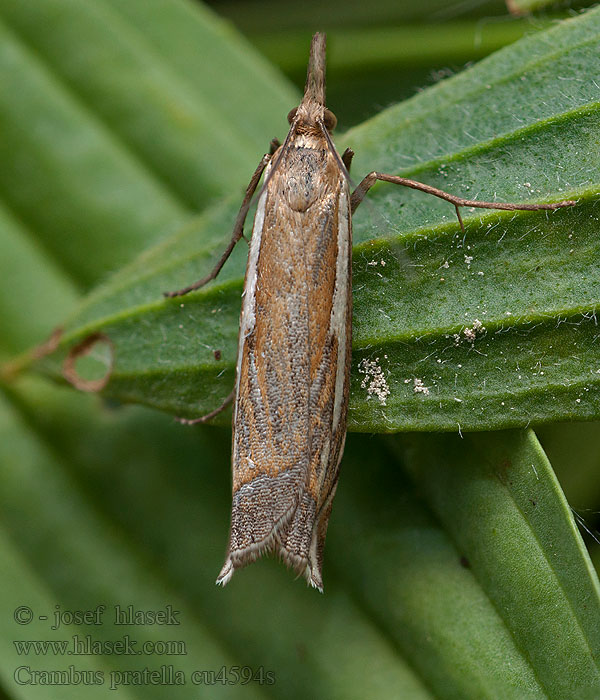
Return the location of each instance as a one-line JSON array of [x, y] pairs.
[[294, 351]]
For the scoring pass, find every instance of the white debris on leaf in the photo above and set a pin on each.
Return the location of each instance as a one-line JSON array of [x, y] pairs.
[[420, 388], [476, 329], [470, 333], [374, 381]]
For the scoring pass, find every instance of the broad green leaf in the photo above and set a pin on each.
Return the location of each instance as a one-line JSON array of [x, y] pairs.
[[78, 545], [66, 177], [104, 125], [99, 505], [491, 328], [490, 559], [108, 139], [28, 276], [149, 528], [147, 70], [22, 588], [485, 584], [439, 570]]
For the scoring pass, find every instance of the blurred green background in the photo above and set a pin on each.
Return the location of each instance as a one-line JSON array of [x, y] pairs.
[[383, 52]]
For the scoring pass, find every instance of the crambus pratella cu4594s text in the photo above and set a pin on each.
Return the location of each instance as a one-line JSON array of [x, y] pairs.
[[293, 365]]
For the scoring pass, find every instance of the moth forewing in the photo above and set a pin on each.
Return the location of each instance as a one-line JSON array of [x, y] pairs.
[[294, 350]]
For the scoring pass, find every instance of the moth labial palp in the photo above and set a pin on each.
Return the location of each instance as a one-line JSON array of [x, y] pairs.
[[293, 365]]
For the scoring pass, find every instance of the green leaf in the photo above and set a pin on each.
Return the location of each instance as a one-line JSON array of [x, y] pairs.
[[86, 187], [111, 123], [28, 275], [99, 505], [488, 329], [22, 588], [485, 584], [37, 486], [148, 528], [147, 70], [439, 569]]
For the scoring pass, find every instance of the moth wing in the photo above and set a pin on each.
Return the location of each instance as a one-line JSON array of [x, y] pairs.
[[293, 369], [330, 324], [271, 444]]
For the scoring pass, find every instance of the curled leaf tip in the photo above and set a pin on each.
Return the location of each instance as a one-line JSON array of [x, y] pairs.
[[92, 342]]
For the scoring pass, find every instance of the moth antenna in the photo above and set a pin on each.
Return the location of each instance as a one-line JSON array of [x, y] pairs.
[[334, 153], [275, 165]]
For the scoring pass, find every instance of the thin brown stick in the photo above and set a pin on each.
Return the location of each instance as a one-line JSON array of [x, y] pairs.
[[238, 231], [208, 416], [368, 182]]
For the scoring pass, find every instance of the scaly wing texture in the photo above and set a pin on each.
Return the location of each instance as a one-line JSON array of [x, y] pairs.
[[292, 371], [330, 317]]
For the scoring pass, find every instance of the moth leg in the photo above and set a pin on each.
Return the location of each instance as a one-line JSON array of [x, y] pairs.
[[347, 157], [371, 179], [208, 416], [238, 229]]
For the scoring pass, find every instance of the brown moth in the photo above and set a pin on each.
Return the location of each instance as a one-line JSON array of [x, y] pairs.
[[293, 366]]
